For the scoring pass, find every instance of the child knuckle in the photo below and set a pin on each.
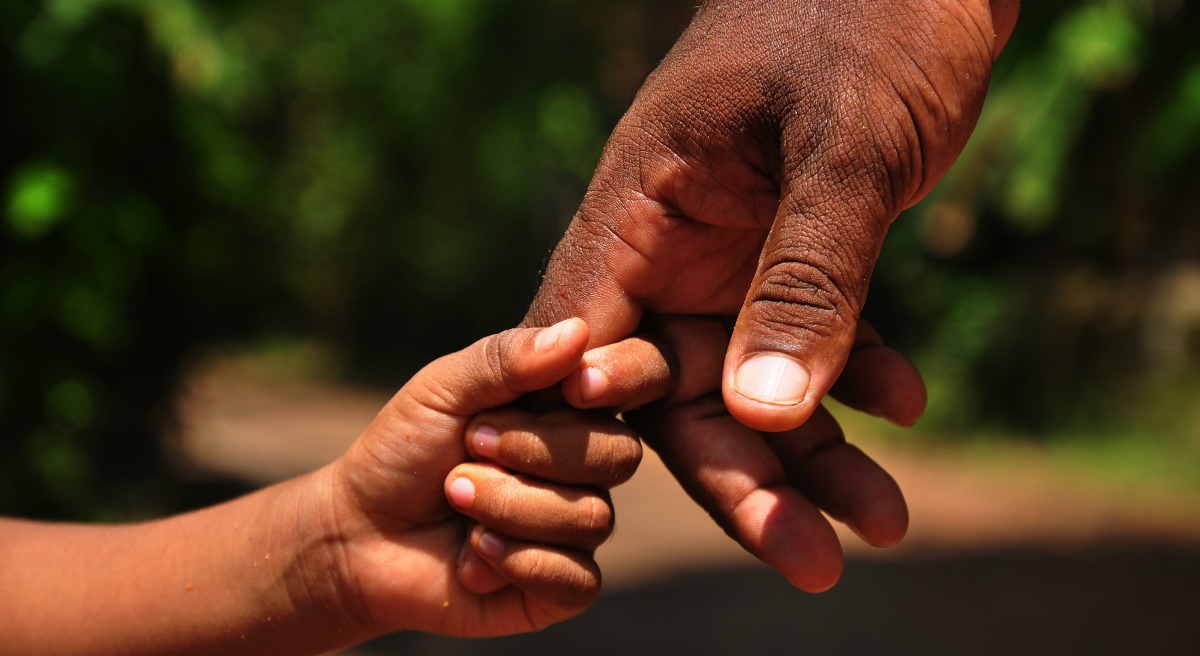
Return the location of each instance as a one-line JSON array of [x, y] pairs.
[[598, 524], [497, 358], [625, 454]]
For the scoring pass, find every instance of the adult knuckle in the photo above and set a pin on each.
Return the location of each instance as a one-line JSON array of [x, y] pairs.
[[795, 295], [863, 152], [801, 283], [497, 360], [849, 157]]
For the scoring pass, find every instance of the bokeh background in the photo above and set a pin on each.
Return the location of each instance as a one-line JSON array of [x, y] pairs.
[[342, 191], [383, 177]]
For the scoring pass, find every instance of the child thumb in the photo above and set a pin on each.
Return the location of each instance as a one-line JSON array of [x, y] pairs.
[[499, 369]]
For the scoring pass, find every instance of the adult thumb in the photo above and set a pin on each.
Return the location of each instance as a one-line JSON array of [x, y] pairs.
[[797, 325]]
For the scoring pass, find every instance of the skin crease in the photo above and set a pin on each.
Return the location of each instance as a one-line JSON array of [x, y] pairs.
[[755, 176], [767, 489], [385, 539], [378, 541]]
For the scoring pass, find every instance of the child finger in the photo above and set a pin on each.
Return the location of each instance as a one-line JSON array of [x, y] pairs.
[[563, 446], [474, 574], [567, 579], [623, 376], [529, 509], [499, 369]]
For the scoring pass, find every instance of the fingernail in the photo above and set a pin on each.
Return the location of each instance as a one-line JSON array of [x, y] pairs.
[[548, 338], [462, 492], [489, 545], [485, 441], [775, 379], [593, 383]]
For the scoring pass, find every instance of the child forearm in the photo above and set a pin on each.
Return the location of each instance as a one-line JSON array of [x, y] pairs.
[[255, 575]]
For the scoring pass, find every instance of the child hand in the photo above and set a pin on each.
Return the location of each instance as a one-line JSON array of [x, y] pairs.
[[367, 545], [410, 560]]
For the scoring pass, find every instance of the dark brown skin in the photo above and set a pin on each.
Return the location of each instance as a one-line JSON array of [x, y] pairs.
[[755, 176]]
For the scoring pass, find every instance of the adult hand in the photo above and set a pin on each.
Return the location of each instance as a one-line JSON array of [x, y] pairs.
[[755, 176]]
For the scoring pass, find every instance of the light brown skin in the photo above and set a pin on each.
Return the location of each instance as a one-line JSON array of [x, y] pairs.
[[755, 176], [373, 543]]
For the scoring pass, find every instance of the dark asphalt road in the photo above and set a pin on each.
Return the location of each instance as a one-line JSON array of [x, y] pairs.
[[1115, 600]]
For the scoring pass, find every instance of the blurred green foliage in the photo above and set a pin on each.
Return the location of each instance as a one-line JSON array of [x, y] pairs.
[[387, 176], [1050, 285]]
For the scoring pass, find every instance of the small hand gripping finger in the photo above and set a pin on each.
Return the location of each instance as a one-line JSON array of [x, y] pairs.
[[419, 434], [539, 537]]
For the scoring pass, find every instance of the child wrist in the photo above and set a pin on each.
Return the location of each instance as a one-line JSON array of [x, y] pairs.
[[322, 581]]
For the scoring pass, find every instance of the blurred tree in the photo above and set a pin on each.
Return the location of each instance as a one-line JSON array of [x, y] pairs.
[[1051, 283]]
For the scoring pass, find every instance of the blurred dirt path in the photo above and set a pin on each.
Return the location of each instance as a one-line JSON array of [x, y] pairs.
[[238, 419]]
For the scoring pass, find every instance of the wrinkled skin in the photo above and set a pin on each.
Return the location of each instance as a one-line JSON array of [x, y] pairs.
[[755, 175]]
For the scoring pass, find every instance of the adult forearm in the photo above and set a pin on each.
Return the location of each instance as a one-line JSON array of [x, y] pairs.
[[248, 576]]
